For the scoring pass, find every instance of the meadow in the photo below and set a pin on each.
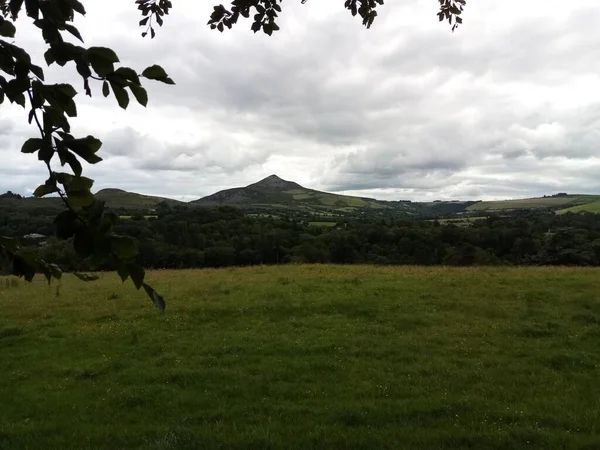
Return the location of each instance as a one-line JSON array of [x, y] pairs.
[[342, 357]]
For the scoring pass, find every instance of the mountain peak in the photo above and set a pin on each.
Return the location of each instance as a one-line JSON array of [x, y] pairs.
[[274, 182]]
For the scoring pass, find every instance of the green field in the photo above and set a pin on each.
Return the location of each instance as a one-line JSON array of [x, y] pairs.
[[322, 224], [535, 203], [305, 357], [593, 207]]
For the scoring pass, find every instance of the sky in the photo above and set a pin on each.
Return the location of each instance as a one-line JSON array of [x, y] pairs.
[[507, 106]]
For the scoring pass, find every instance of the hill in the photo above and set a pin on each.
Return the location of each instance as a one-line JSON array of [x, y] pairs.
[[117, 198], [274, 192], [557, 203]]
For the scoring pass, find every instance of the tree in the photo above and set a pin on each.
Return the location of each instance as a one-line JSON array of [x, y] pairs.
[[85, 220]]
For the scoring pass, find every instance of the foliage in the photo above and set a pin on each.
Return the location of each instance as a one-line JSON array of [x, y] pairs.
[[51, 105], [190, 237], [306, 357]]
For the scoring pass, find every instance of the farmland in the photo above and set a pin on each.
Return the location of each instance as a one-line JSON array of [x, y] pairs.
[[305, 356]]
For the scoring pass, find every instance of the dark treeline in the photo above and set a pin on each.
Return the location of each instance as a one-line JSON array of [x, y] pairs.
[[219, 237]]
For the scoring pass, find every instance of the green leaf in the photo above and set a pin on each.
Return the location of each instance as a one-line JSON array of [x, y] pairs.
[[32, 145], [155, 297], [45, 189], [7, 29], [85, 147], [123, 272], [139, 93], [128, 74], [137, 274], [65, 224], [74, 31], [120, 94], [23, 268], [72, 161], [104, 53], [77, 6], [101, 66], [155, 72], [83, 243], [123, 247], [37, 71]]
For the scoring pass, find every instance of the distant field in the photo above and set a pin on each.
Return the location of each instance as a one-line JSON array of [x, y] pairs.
[[322, 224], [593, 207], [548, 202], [305, 357], [457, 221]]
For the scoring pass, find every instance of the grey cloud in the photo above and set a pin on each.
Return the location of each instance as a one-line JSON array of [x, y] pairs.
[[404, 109]]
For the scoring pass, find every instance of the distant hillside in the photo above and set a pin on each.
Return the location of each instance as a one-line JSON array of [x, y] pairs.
[[274, 192], [574, 202], [117, 198]]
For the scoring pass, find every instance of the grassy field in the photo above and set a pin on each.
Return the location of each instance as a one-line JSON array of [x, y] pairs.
[[322, 224], [593, 207], [534, 203], [305, 357]]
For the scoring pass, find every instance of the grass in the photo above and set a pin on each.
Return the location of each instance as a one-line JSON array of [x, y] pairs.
[[534, 203], [462, 221], [305, 357], [593, 207], [322, 224]]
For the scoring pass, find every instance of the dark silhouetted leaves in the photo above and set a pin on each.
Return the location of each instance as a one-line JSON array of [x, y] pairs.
[[139, 93], [155, 297], [32, 145], [124, 247]]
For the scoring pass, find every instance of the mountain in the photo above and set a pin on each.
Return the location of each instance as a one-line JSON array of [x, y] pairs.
[[117, 198], [274, 192]]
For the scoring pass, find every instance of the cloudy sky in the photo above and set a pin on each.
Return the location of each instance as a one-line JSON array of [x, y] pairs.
[[507, 106]]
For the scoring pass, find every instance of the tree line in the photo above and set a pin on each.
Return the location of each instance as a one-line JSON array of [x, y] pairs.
[[180, 237]]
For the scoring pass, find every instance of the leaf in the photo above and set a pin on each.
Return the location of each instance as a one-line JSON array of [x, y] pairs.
[[104, 53], [32, 145], [139, 93], [23, 268], [122, 272], [124, 247], [83, 69], [7, 29], [137, 274], [45, 189], [155, 297], [37, 71], [15, 6], [77, 6], [86, 276], [120, 94], [65, 224], [74, 31], [155, 72], [72, 161], [85, 147], [105, 89], [83, 243], [101, 66], [128, 74]]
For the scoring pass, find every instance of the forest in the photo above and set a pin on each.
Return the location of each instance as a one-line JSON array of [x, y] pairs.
[[182, 237]]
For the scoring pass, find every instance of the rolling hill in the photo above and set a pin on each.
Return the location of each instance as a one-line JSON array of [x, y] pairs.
[[117, 198], [558, 203], [274, 192]]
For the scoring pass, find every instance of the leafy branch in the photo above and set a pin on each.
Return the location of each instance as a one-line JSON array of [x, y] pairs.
[[85, 219]]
